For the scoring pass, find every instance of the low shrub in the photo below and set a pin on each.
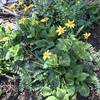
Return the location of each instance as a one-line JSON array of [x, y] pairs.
[[46, 53], [47, 58]]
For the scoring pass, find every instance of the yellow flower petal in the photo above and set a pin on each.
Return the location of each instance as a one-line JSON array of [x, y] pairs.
[[46, 55], [70, 24], [86, 35], [60, 30], [35, 22], [22, 20], [20, 3], [28, 7], [44, 19]]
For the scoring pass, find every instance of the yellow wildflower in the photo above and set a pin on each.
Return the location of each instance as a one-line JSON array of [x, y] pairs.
[[20, 3], [22, 20], [44, 19], [60, 30], [28, 7], [86, 35], [70, 24], [8, 26], [35, 22], [46, 55]]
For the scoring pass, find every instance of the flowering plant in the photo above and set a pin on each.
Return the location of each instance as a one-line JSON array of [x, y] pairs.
[[47, 55], [52, 55]]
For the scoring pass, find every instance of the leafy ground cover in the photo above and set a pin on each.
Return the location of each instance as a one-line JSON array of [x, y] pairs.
[[51, 53]]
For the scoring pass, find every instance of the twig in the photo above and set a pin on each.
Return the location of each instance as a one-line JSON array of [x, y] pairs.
[[7, 10], [9, 77]]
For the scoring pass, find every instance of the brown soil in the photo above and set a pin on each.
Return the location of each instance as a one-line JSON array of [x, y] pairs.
[[9, 90], [95, 38]]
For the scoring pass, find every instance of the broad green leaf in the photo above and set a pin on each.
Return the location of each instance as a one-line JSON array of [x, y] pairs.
[[7, 55], [52, 32], [53, 79], [69, 78], [74, 97], [51, 62], [66, 97], [64, 59], [52, 98], [95, 80], [80, 49], [71, 90], [82, 76], [46, 91], [64, 44], [60, 93], [84, 90]]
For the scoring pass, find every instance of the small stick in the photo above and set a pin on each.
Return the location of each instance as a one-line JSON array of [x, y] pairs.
[[9, 77], [7, 10]]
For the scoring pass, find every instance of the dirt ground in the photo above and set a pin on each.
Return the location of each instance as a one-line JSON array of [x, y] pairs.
[[95, 38]]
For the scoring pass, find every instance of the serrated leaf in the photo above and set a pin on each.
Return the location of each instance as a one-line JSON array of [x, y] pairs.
[[64, 59], [64, 44]]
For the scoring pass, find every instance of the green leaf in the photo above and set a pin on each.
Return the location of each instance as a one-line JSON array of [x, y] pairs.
[[64, 44], [60, 93], [77, 69], [4, 39], [74, 97], [51, 62], [80, 49], [46, 91], [66, 97], [53, 79], [69, 78], [64, 59], [71, 90], [80, 29], [84, 90], [82, 76], [52, 98], [32, 34], [7, 55], [14, 49], [52, 32]]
